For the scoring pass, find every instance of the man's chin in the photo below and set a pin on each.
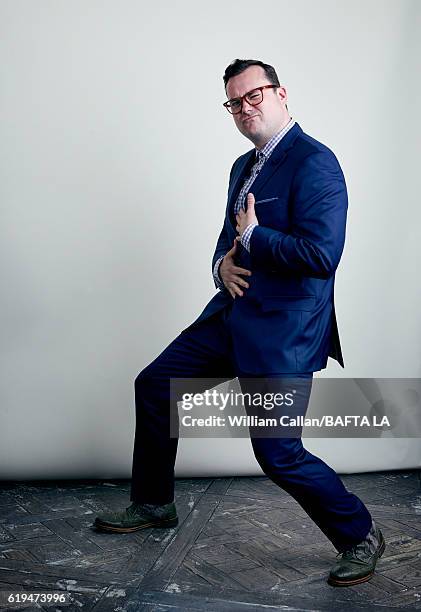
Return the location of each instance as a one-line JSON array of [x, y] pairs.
[[250, 129]]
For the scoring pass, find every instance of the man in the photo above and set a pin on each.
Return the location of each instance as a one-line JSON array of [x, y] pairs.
[[274, 316]]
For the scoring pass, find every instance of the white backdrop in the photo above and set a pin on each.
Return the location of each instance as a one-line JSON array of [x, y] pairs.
[[115, 155]]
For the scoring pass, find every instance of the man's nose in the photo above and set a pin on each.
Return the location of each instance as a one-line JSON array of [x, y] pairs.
[[247, 107]]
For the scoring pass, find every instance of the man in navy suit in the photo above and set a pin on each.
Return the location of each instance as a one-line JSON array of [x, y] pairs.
[[272, 318]]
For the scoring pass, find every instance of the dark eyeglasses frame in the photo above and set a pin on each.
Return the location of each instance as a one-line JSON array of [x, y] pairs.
[[241, 98]]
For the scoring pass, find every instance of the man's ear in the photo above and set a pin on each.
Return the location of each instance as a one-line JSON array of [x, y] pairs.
[[282, 93]]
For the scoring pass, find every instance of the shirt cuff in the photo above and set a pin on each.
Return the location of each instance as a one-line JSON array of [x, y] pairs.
[[245, 238], [218, 282]]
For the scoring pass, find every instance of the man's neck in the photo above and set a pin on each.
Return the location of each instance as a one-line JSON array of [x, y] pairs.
[[284, 124]]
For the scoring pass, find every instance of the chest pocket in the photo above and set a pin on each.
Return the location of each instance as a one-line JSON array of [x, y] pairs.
[[266, 200], [273, 212]]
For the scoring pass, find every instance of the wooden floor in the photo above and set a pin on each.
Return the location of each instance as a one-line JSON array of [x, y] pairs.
[[242, 544]]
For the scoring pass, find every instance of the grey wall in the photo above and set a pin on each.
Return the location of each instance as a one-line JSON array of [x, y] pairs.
[[113, 136]]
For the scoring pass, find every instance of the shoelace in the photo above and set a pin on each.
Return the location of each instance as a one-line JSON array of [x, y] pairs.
[[353, 552], [132, 509]]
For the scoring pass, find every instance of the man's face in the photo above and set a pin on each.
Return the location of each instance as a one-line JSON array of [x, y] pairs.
[[258, 123]]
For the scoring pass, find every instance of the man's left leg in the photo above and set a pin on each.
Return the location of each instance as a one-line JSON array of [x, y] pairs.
[[340, 514]]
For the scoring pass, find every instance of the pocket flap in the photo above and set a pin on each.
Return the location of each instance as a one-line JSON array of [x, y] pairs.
[[287, 302], [266, 200]]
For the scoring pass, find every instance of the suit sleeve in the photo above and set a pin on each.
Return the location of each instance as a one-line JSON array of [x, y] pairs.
[[216, 278], [221, 249], [319, 203]]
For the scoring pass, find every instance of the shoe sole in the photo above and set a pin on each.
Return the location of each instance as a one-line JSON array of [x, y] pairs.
[[110, 528], [335, 582]]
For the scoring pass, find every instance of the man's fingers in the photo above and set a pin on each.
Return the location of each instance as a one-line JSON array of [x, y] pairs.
[[250, 199], [241, 282], [233, 289], [238, 270], [236, 289], [231, 272], [234, 284], [238, 280]]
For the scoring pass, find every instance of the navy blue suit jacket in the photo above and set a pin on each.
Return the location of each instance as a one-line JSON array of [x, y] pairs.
[[285, 321]]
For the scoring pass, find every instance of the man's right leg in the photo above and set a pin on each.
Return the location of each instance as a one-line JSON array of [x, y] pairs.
[[200, 351]]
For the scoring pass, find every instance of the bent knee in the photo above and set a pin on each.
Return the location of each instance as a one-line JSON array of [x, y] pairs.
[[280, 452]]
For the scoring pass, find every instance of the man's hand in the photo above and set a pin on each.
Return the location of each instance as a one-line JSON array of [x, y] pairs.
[[245, 218], [229, 272]]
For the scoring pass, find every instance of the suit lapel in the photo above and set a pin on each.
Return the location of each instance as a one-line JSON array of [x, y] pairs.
[[244, 168], [277, 158], [237, 181]]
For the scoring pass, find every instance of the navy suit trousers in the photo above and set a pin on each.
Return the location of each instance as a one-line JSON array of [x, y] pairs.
[[204, 350]]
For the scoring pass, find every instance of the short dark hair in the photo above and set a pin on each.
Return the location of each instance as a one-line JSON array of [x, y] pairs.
[[239, 65]]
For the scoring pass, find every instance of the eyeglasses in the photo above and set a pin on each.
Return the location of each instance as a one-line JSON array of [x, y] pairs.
[[253, 97]]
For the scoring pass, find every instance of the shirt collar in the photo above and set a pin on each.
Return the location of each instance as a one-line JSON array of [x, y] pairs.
[[267, 149]]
